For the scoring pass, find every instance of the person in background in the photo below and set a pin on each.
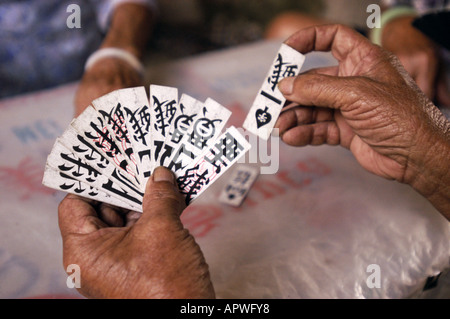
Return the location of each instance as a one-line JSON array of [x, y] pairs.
[[39, 49], [191, 27], [423, 58]]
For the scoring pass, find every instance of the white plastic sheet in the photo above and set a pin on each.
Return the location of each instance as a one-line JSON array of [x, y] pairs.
[[310, 230]]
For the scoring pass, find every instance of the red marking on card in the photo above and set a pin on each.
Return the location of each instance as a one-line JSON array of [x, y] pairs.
[[106, 146]]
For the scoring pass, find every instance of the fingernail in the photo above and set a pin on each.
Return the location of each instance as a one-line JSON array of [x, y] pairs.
[[162, 174], [286, 86], [276, 130]]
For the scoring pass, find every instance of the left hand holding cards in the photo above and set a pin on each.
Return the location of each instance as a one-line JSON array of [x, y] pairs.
[[122, 254]]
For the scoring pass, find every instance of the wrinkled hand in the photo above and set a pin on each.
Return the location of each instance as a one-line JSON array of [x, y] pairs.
[[419, 56], [122, 256], [105, 76], [369, 104]]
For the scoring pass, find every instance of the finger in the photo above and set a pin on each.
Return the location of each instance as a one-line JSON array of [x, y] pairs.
[[111, 215], [323, 90], [77, 215], [291, 118], [298, 115], [308, 126], [162, 198], [312, 134], [328, 70], [131, 218], [340, 40], [296, 127]]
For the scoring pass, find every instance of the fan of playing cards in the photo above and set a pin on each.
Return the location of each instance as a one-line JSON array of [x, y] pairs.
[[111, 149]]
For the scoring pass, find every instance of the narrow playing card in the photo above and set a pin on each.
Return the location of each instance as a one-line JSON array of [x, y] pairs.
[[184, 117], [114, 108], [92, 128], [238, 185], [127, 116], [163, 106], [268, 103], [63, 160], [182, 125], [79, 146], [110, 108], [138, 122], [195, 128], [60, 181], [212, 163]]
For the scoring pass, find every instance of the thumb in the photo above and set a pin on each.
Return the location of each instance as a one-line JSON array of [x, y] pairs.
[[162, 197]]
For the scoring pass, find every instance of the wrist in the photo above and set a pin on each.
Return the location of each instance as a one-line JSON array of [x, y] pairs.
[[130, 28], [126, 46], [429, 170], [117, 53]]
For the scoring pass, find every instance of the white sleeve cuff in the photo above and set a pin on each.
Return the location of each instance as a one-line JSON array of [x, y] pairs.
[[115, 53]]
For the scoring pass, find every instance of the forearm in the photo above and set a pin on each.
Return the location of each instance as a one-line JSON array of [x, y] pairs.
[[130, 28]]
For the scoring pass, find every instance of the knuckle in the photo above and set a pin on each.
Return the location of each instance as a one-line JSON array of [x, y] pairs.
[[163, 196], [64, 206]]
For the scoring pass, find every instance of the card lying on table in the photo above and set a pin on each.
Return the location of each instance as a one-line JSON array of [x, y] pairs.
[[267, 106], [238, 185], [110, 150]]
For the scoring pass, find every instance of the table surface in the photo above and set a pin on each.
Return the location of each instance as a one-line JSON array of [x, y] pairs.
[[309, 229]]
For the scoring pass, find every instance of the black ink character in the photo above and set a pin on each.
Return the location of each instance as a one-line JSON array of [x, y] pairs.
[[204, 129], [242, 177], [90, 153], [77, 186], [182, 124], [233, 191], [140, 121], [282, 70], [78, 168], [116, 119], [192, 182], [165, 112], [224, 151], [263, 117], [176, 163]]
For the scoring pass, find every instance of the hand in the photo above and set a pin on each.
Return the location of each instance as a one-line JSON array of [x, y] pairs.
[[122, 256], [369, 104], [419, 56], [105, 76], [129, 29]]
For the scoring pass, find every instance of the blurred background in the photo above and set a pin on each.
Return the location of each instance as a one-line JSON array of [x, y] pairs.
[[187, 27]]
